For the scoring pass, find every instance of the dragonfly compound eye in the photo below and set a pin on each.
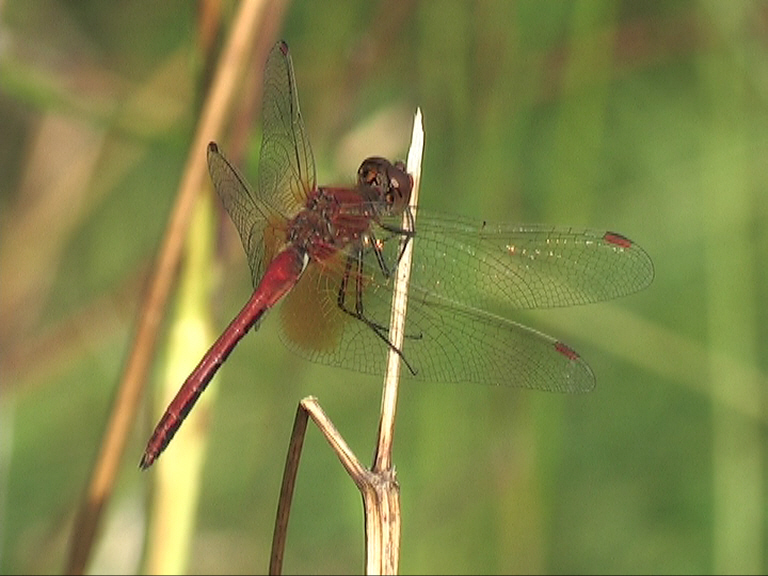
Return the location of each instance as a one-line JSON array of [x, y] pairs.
[[400, 183], [368, 175]]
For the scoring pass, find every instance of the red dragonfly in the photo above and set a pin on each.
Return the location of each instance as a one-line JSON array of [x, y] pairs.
[[329, 253]]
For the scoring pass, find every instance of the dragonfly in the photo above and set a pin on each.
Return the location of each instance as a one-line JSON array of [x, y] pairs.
[[328, 254]]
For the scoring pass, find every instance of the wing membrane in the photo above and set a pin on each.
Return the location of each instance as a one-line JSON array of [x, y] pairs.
[[286, 169], [447, 338]]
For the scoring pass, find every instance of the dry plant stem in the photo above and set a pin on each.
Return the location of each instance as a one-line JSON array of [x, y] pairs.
[[308, 408], [124, 410], [381, 493], [381, 497], [381, 501], [383, 459], [280, 533]]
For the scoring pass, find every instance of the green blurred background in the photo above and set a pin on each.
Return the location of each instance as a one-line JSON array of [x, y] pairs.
[[650, 119]]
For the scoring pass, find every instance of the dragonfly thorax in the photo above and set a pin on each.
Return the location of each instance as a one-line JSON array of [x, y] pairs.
[[332, 219]]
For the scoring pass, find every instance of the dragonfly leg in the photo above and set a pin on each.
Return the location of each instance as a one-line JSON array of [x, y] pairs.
[[358, 313], [405, 234]]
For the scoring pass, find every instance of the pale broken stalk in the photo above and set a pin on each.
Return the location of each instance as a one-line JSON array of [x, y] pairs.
[[399, 305], [122, 417], [381, 493], [381, 497]]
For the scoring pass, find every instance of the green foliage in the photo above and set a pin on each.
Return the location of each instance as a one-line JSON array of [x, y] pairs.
[[647, 119]]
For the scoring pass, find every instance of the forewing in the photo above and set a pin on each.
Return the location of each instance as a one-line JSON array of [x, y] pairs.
[[495, 267], [445, 341], [286, 165], [286, 169]]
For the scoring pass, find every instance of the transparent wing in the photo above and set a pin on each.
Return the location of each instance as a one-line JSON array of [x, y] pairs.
[[260, 226], [286, 164], [493, 266], [461, 271], [286, 169]]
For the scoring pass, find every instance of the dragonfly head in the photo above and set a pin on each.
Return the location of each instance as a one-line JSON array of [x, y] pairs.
[[386, 184]]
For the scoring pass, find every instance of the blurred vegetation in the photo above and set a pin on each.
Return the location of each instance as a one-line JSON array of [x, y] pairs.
[[650, 119]]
